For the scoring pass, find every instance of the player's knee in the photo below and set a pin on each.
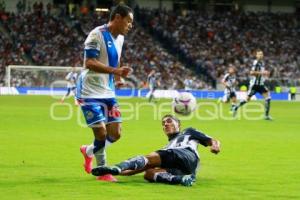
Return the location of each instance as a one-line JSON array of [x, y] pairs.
[[113, 138], [116, 134], [100, 132], [149, 175]]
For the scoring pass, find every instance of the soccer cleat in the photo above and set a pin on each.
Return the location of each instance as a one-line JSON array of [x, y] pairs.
[[88, 161], [268, 118], [103, 170], [107, 177], [187, 180]]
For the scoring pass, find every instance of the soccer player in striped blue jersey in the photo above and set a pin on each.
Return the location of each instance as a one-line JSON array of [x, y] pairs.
[[153, 83], [177, 163], [257, 84], [96, 85], [71, 78]]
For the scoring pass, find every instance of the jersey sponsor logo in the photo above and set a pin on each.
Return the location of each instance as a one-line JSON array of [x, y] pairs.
[[89, 115], [109, 44]]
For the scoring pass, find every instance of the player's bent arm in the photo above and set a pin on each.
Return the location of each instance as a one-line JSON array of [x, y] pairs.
[[202, 138], [224, 83], [256, 73], [215, 145], [96, 66]]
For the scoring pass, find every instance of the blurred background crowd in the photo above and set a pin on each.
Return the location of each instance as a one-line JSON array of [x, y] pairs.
[[194, 45]]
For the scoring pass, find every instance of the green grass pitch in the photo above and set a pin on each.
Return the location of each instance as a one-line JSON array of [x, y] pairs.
[[40, 157]]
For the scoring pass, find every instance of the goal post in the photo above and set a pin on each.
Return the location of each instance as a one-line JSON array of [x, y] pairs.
[[36, 72], [38, 78]]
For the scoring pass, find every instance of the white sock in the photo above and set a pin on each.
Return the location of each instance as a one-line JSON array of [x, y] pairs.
[[100, 157], [107, 143], [89, 150]]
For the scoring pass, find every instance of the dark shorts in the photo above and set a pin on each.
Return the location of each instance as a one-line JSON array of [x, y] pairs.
[[179, 161], [232, 94], [257, 89]]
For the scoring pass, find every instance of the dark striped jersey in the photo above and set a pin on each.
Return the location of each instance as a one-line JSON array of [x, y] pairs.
[[189, 138], [257, 66], [230, 81], [152, 80]]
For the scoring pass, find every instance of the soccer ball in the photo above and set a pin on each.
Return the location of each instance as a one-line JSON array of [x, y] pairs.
[[184, 103]]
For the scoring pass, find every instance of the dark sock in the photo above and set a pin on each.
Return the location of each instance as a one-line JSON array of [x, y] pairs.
[[241, 104], [150, 98], [137, 162], [267, 106], [166, 177], [232, 106], [98, 144]]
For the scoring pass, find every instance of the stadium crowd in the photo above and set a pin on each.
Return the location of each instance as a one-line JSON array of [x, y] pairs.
[[32, 31], [10, 54], [46, 40], [208, 41], [213, 41]]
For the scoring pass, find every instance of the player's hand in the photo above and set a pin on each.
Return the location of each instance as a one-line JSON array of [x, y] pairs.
[[215, 146], [123, 71], [120, 83]]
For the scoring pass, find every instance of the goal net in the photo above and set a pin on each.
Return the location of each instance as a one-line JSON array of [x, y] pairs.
[[21, 79]]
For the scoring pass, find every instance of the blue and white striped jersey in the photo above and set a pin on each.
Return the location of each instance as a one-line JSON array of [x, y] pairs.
[[71, 78], [100, 44], [189, 138]]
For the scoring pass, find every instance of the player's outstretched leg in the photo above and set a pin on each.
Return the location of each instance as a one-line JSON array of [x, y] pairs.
[[67, 94], [162, 176], [136, 163], [233, 105], [235, 109], [104, 170]]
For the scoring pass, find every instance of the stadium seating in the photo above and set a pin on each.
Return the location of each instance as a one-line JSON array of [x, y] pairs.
[[212, 41], [10, 53]]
